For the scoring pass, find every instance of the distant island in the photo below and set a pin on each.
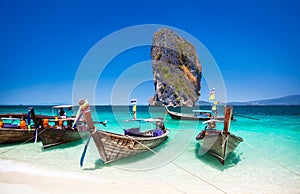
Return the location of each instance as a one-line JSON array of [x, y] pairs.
[[287, 101], [292, 100]]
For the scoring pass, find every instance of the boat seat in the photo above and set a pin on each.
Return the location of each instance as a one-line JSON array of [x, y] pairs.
[[8, 125], [132, 131], [157, 132], [136, 133]]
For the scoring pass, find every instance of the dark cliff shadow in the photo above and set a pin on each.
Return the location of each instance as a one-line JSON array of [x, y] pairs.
[[232, 159]]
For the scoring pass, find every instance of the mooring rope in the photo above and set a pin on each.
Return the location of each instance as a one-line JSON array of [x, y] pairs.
[[22, 142], [182, 168], [268, 157]]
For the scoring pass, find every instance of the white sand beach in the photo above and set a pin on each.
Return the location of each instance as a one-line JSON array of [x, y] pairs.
[[35, 184], [15, 183], [166, 179]]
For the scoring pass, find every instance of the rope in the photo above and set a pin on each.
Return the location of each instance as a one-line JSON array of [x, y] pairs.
[[22, 142], [151, 150], [276, 162], [182, 168]]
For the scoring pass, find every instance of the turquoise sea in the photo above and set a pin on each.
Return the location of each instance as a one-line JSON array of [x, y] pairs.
[[266, 162]]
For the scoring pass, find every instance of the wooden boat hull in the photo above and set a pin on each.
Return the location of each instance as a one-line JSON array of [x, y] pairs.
[[53, 136], [181, 116], [23, 115], [9, 135], [112, 146], [217, 143]]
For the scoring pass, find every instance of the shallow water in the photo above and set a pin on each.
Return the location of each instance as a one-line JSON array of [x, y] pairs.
[[267, 161]]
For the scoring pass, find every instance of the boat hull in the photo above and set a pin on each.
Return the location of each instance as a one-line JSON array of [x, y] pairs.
[[8, 135], [53, 136], [181, 116], [217, 143], [192, 117], [112, 147]]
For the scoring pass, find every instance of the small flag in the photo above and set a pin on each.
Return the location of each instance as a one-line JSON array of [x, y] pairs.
[[212, 95], [134, 108], [133, 101], [214, 108]]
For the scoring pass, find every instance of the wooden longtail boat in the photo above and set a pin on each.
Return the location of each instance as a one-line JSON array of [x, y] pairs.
[[219, 143], [12, 132], [15, 135], [112, 146], [53, 136], [199, 115], [63, 129]]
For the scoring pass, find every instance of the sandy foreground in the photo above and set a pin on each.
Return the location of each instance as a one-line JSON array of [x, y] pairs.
[[18, 178], [15, 182], [20, 182]]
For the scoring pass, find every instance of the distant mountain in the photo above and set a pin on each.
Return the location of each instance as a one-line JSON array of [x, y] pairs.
[[287, 100], [203, 103]]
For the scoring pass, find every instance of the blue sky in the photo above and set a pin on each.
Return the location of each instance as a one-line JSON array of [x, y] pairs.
[[256, 45]]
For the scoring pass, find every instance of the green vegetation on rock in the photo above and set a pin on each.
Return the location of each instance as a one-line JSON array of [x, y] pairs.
[[176, 69]]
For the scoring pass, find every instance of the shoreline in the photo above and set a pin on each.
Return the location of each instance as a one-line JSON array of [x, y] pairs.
[[16, 182], [17, 177], [20, 182]]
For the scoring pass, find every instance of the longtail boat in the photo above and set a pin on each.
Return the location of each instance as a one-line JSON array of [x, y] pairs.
[[199, 115], [63, 130], [219, 143], [60, 134], [15, 135], [17, 127], [113, 146], [60, 130]]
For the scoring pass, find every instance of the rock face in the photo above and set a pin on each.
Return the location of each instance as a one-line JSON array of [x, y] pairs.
[[176, 69]]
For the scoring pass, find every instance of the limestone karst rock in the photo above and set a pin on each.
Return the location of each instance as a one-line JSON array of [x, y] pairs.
[[176, 69]]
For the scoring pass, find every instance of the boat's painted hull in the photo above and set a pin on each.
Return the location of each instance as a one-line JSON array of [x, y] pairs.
[[23, 115], [181, 116], [53, 136], [218, 144], [14, 135], [112, 147]]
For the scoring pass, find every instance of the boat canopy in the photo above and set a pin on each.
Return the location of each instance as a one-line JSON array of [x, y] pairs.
[[63, 106], [9, 118], [149, 120], [208, 111], [212, 120]]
